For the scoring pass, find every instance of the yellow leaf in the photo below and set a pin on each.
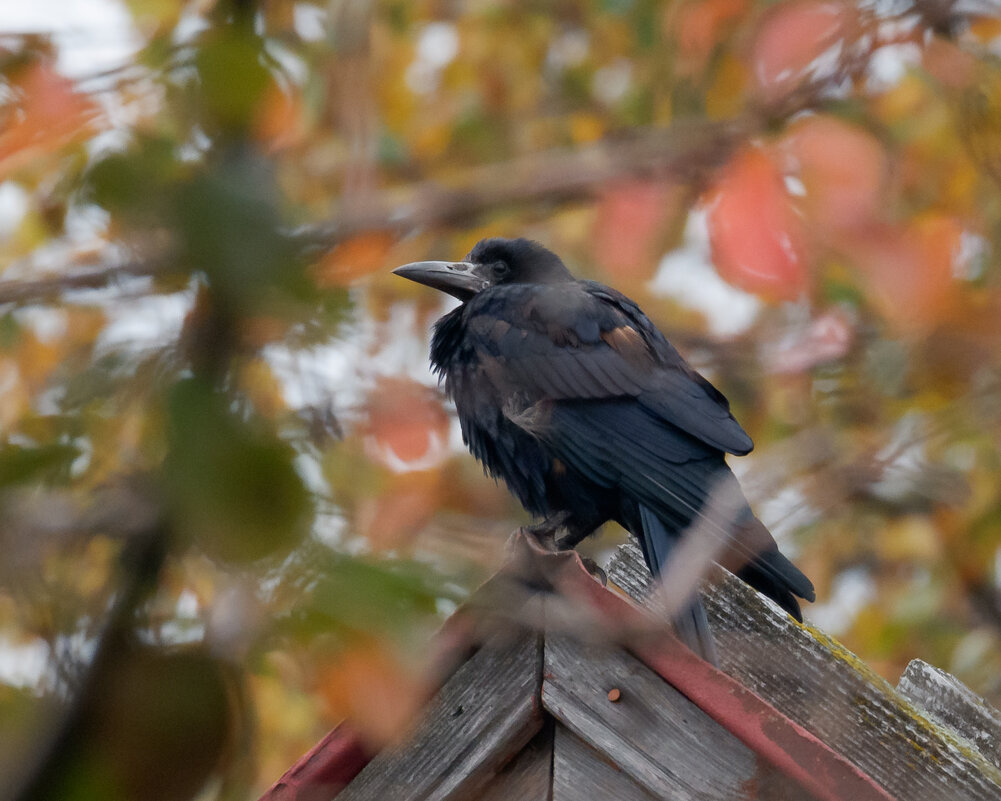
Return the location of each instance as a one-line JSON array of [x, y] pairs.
[[585, 128], [911, 538]]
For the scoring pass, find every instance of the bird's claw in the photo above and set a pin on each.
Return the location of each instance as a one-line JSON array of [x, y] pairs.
[[544, 535], [544, 532]]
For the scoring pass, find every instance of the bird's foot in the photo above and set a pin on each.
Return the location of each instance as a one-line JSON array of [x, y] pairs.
[[544, 532]]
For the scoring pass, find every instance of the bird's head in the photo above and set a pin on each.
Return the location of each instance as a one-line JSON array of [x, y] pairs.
[[491, 262]]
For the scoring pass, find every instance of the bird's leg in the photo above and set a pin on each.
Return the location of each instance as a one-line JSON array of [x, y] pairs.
[[545, 531]]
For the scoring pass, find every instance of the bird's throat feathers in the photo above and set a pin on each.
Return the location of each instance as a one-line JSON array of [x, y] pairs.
[[448, 342]]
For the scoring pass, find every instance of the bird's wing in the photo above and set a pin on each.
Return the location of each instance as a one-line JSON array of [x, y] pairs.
[[619, 443], [584, 341]]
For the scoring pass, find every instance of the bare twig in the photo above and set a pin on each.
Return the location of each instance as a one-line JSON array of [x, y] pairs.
[[683, 152], [93, 277]]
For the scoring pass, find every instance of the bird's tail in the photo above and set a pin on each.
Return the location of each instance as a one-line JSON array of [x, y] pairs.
[[754, 557], [691, 623], [772, 574]]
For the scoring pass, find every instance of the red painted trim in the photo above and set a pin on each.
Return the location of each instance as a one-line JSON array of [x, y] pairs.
[[793, 750], [324, 771], [332, 763], [788, 746], [784, 743]]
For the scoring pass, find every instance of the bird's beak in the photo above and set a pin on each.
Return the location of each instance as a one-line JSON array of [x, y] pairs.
[[458, 278]]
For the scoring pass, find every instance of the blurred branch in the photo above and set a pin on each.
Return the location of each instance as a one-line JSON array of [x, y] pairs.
[[92, 277], [141, 561], [942, 15], [685, 151]]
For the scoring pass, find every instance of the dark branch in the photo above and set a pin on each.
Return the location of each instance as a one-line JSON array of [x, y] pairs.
[[685, 152], [92, 277]]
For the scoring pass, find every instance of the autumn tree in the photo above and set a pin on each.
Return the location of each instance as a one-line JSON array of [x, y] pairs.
[[233, 504]]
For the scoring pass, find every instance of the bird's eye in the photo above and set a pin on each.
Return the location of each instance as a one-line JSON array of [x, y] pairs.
[[501, 269]]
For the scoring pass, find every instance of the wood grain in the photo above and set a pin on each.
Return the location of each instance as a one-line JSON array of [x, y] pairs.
[[822, 686], [480, 719], [528, 776], [951, 703], [581, 772], [656, 736]]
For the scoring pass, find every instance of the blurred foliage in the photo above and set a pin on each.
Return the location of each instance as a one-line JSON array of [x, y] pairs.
[[204, 359]]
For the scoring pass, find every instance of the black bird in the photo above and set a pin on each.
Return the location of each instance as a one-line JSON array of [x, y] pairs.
[[567, 391]]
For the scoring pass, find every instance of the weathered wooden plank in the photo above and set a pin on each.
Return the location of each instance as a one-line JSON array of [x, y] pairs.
[[819, 684], [528, 776], [777, 739], [653, 733], [581, 772], [951, 703], [485, 714]]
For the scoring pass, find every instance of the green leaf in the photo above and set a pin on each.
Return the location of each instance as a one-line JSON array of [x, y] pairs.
[[232, 75], [232, 229], [362, 594], [19, 465], [232, 485]]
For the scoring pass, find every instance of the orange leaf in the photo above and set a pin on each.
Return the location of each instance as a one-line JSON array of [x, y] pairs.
[[262, 330], [757, 238], [630, 216], [46, 114], [792, 37], [843, 168], [370, 686], [278, 122], [951, 65], [910, 270], [984, 28], [37, 359], [404, 505], [407, 427], [355, 257]]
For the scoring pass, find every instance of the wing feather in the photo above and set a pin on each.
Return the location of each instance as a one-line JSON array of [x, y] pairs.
[[659, 465], [583, 341]]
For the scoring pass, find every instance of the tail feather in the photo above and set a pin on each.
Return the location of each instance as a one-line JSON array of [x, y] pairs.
[[772, 574], [691, 624], [693, 630], [753, 555]]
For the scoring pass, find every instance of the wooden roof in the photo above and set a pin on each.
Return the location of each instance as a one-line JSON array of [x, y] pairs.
[[618, 709]]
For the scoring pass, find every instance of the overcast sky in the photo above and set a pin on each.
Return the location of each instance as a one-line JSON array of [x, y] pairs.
[[92, 35]]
